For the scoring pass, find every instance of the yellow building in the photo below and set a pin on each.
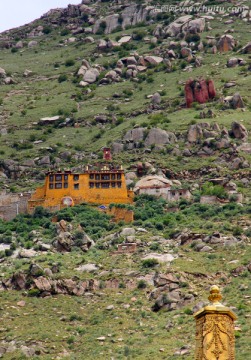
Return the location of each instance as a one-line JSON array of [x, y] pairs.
[[64, 188]]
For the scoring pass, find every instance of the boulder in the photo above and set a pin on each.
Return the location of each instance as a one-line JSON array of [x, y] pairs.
[[91, 75], [135, 135], [102, 44], [238, 131], [27, 73], [236, 101], [35, 270], [176, 26], [27, 253], [247, 48], [226, 43], [19, 45], [117, 147], [185, 52], [8, 81], [111, 22], [195, 26], [234, 61], [127, 232], [158, 136], [153, 60], [131, 60], [195, 133], [44, 160], [156, 98], [42, 283], [162, 258], [2, 73], [88, 40], [125, 39], [87, 268], [113, 75], [32, 44]]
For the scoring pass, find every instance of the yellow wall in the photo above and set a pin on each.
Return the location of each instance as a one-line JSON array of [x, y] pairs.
[[51, 197]]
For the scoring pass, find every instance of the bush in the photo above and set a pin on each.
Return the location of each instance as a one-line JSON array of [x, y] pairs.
[[142, 284], [65, 32], [149, 263], [47, 30], [33, 293], [62, 77], [154, 246], [214, 190], [69, 62]]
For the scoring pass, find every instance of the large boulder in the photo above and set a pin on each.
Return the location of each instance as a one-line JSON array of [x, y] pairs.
[[158, 136], [237, 101], [91, 75], [135, 135], [194, 133], [238, 131], [226, 43], [195, 26], [185, 24], [153, 60], [32, 44], [175, 27]]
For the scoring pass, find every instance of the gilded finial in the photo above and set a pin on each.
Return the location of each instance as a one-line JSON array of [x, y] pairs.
[[215, 295]]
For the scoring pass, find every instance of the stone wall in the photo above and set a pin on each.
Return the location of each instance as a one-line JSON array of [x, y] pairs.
[[13, 204]]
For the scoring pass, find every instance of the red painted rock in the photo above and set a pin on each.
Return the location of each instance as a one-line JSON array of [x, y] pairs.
[[211, 89], [189, 93]]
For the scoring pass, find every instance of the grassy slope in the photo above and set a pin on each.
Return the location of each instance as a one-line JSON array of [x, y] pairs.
[[143, 332]]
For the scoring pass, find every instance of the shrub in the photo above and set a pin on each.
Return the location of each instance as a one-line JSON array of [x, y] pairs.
[[149, 263], [69, 62], [62, 77], [154, 246], [65, 32], [142, 284], [47, 30], [33, 293]]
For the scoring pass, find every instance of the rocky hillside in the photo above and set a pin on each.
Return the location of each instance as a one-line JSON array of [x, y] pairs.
[[167, 86]]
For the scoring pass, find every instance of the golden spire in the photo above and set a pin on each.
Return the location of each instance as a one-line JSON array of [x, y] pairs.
[[215, 295]]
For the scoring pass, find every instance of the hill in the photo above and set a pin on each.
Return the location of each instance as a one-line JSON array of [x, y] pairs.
[[136, 77]]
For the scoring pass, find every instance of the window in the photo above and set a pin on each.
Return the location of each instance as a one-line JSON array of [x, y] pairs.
[[58, 177], [97, 177], [98, 185], [51, 177], [119, 176], [51, 186], [66, 185], [113, 176], [58, 186], [105, 185], [92, 176], [91, 184], [75, 177], [65, 177], [113, 184], [119, 184], [105, 177], [76, 186]]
